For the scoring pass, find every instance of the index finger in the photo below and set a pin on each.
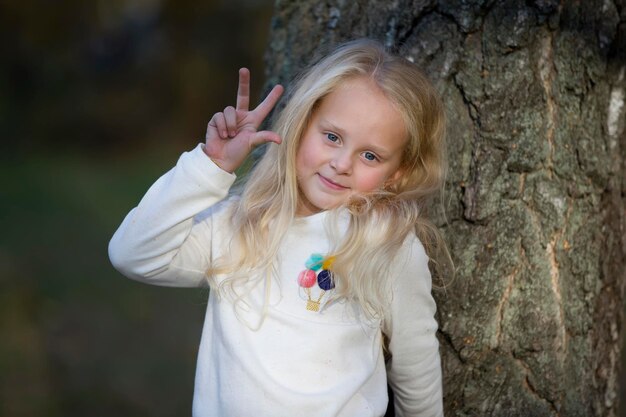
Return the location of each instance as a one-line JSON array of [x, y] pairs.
[[266, 106], [243, 91]]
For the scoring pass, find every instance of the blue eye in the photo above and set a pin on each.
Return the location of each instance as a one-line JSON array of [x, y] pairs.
[[369, 156], [332, 137]]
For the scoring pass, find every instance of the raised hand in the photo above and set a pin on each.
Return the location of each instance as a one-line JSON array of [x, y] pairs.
[[232, 134]]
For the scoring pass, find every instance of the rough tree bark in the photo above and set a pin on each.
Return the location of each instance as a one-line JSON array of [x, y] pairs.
[[535, 195]]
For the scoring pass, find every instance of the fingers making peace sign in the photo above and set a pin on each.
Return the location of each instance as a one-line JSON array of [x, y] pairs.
[[233, 133]]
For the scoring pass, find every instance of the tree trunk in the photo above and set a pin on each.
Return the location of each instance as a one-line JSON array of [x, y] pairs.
[[535, 206]]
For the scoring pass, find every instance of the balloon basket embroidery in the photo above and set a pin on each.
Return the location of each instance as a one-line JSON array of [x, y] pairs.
[[310, 276]]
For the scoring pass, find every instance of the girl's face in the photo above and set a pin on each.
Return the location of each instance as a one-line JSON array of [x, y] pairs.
[[352, 144]]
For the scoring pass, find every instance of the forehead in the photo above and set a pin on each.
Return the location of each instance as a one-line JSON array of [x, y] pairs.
[[358, 108]]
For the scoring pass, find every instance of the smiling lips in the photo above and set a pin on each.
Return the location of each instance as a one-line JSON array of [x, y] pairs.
[[331, 184]]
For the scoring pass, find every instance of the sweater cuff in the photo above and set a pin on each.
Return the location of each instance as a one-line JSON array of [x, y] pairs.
[[208, 170]]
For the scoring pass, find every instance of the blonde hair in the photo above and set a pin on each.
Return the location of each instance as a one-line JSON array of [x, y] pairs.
[[379, 222]]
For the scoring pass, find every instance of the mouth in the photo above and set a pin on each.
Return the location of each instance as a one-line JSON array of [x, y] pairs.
[[331, 184]]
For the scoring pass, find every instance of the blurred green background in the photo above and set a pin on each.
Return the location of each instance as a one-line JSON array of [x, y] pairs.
[[97, 99]]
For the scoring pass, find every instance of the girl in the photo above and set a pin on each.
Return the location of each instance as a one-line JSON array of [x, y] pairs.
[[317, 260]]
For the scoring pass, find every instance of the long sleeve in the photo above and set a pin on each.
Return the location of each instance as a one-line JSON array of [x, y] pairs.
[[414, 370], [163, 241]]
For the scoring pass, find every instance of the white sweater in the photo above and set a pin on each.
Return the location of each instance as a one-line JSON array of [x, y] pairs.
[[299, 362]]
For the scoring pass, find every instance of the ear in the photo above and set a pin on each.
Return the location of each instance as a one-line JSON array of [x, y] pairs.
[[393, 178], [396, 175]]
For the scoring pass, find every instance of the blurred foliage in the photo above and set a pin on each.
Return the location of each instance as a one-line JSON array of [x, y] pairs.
[[97, 99], [113, 74]]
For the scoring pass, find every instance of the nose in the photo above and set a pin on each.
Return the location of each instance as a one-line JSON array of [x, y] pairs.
[[341, 162]]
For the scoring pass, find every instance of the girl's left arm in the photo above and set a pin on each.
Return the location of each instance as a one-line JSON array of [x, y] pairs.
[[414, 370]]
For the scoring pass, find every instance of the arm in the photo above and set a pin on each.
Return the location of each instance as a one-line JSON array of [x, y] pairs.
[[414, 370], [159, 241]]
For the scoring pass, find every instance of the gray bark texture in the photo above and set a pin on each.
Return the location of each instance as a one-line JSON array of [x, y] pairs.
[[535, 207]]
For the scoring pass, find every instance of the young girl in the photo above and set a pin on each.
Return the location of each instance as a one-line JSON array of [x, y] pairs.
[[317, 262]]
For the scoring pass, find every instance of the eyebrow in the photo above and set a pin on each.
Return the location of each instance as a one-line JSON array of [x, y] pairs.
[[332, 126]]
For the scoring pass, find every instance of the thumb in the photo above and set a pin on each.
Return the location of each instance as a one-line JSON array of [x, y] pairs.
[[264, 136]]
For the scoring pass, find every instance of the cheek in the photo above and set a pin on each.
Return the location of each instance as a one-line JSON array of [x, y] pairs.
[[302, 156], [370, 181], [309, 154]]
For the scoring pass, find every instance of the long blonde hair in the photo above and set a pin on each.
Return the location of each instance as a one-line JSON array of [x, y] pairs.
[[379, 222]]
